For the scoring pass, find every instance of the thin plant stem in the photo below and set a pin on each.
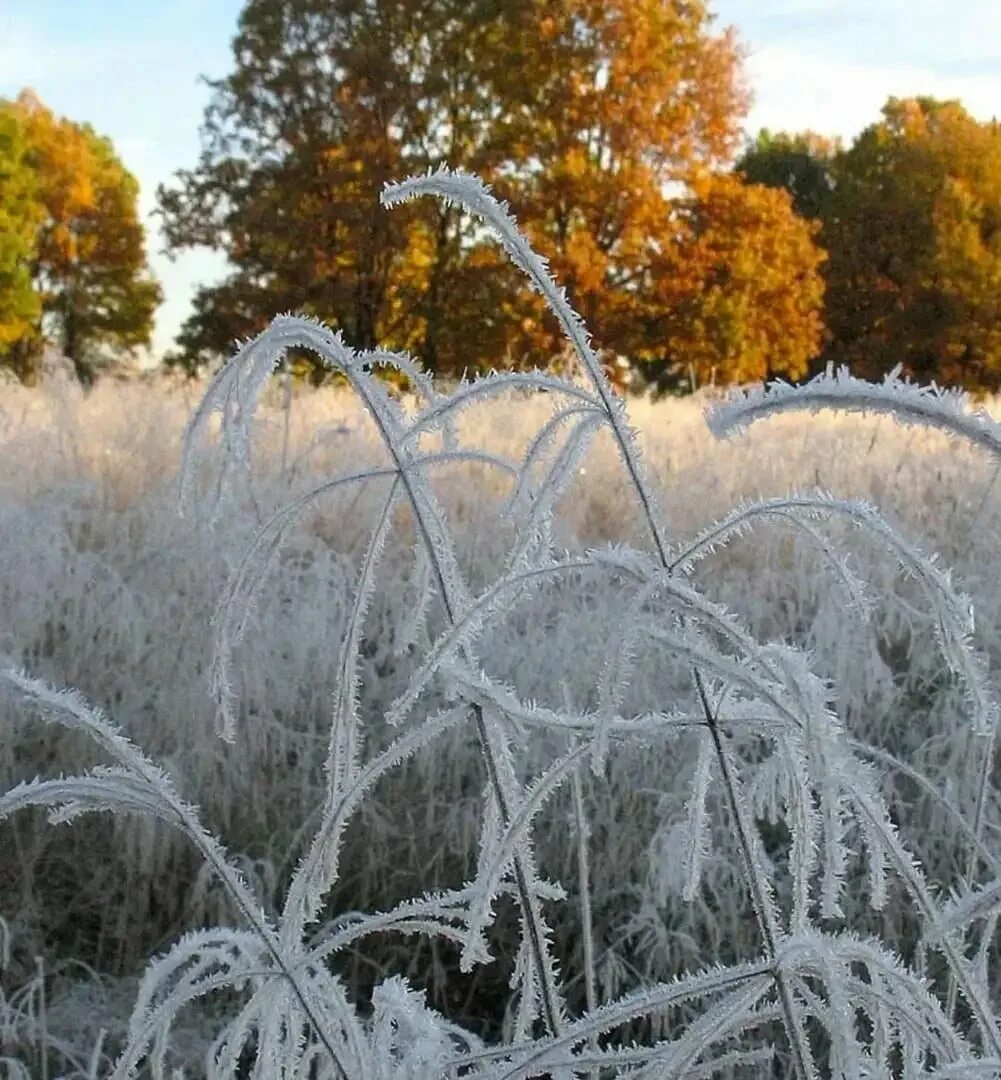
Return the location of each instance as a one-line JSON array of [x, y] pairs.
[[760, 898], [536, 937], [584, 887]]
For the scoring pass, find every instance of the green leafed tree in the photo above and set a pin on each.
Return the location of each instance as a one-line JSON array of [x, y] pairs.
[[328, 101], [801, 163]]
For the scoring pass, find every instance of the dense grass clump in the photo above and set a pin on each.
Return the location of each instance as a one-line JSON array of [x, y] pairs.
[[543, 739]]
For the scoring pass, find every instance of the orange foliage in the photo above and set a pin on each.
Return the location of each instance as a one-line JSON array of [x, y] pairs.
[[914, 232], [593, 118], [89, 265]]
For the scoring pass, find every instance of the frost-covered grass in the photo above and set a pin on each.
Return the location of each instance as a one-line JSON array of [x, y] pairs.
[[672, 721]]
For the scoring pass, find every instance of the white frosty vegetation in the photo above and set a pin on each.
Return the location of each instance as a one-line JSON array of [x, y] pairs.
[[773, 766]]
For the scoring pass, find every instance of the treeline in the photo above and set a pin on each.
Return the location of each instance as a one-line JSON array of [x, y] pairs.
[[612, 127], [910, 218], [73, 267]]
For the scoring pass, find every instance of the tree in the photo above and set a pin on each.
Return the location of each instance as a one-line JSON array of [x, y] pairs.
[[739, 293], [800, 163], [592, 117], [88, 267], [20, 216], [914, 234], [327, 102], [627, 102]]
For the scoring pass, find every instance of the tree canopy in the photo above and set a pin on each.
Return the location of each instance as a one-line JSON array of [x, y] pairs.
[[914, 232], [741, 292], [610, 127], [605, 123], [72, 258], [20, 217], [800, 162], [911, 220]]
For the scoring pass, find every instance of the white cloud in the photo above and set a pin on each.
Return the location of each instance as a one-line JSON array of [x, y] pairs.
[[797, 89]]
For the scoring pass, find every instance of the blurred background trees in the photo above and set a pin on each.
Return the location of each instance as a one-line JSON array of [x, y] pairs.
[[612, 127], [72, 249], [20, 218], [799, 162], [910, 215], [914, 230], [607, 124]]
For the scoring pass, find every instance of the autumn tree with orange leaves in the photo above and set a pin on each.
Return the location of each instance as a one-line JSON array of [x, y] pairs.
[[911, 218], [739, 295], [605, 123], [20, 217], [914, 232], [85, 260]]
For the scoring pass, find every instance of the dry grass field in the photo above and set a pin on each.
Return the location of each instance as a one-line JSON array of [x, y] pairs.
[[104, 587]]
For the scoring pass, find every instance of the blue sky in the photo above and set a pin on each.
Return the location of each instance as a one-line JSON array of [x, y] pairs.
[[131, 68]]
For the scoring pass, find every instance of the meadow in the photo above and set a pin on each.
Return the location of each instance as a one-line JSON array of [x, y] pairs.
[[620, 823]]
